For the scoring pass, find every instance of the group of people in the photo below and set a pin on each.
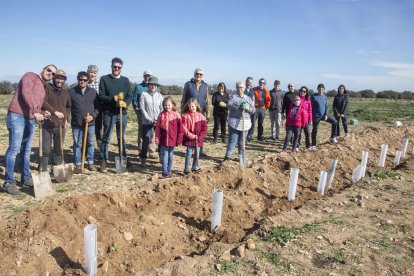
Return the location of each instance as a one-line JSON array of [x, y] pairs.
[[99, 103]]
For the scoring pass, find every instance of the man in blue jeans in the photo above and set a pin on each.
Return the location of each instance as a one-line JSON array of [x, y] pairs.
[[320, 113], [110, 87], [85, 108], [23, 110]]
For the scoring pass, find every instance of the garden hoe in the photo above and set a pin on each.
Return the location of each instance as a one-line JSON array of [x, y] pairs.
[[62, 172], [85, 135], [120, 161], [42, 184]]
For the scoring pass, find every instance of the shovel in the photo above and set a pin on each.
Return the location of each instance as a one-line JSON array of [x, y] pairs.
[[120, 162], [85, 135], [42, 183], [244, 162], [62, 172]]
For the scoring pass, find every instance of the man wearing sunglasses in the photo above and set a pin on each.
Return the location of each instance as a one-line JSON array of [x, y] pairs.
[[261, 104], [85, 108], [24, 109], [110, 87], [57, 102]]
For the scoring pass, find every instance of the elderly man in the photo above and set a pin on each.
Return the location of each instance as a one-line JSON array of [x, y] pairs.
[[261, 104], [110, 87], [198, 89], [136, 95], [23, 110], [94, 84], [57, 102], [85, 108]]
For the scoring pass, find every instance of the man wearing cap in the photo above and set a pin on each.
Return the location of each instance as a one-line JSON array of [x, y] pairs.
[[110, 87], [94, 84], [24, 109], [261, 104], [275, 109], [85, 108], [136, 95], [57, 102], [320, 113], [150, 107]]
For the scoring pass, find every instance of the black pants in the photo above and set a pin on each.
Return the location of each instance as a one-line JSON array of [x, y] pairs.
[[49, 135], [259, 115], [316, 121], [220, 121], [344, 124], [295, 131], [306, 130]]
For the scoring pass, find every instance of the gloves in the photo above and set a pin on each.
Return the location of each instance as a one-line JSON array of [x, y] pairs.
[[245, 105], [222, 104], [119, 97], [283, 116], [122, 104]]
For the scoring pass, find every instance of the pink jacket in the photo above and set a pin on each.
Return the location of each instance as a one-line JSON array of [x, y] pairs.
[[169, 129], [194, 125], [29, 96], [307, 105], [300, 118]]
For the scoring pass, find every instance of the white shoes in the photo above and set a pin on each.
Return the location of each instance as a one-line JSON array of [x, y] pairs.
[[334, 141]]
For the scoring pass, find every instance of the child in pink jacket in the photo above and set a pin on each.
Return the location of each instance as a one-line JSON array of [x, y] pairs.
[[295, 121], [168, 134], [194, 132], [307, 105]]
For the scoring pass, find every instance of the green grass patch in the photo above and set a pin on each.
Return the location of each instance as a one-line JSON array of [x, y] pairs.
[[65, 188], [338, 256], [275, 259], [394, 260], [281, 234], [384, 175], [385, 243], [228, 266]]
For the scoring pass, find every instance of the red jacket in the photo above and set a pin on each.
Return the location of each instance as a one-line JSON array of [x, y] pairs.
[[169, 129], [307, 105], [300, 118], [194, 125], [259, 101]]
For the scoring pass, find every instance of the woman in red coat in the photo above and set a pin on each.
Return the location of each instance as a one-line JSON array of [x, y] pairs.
[[295, 121]]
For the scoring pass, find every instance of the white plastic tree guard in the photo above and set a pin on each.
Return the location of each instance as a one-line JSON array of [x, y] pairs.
[[293, 183], [331, 173], [397, 158], [90, 234], [322, 182], [404, 148], [384, 149], [364, 162], [356, 174], [217, 209]]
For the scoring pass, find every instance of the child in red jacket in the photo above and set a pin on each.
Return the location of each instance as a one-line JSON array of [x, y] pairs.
[[194, 132], [168, 134], [295, 121]]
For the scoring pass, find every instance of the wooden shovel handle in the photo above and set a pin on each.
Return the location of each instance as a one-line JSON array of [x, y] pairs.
[[120, 134], [85, 135]]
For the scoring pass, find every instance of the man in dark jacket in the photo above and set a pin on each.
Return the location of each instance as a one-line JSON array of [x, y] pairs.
[[288, 99], [57, 102], [85, 108], [110, 87], [275, 109]]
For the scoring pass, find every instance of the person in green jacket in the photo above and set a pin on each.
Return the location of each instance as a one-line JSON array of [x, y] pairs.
[[110, 87]]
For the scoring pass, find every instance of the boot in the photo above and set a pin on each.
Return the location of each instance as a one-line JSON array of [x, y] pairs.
[[102, 167], [143, 162]]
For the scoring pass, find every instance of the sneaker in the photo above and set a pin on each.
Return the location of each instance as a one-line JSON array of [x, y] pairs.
[[77, 169], [10, 188], [346, 135], [102, 167], [196, 170], [249, 138], [166, 175], [284, 152], [226, 158], [143, 162], [312, 148], [91, 167], [260, 139], [27, 183], [215, 141], [333, 140], [186, 172]]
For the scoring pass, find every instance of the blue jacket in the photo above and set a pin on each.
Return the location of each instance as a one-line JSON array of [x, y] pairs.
[[136, 94], [190, 91], [319, 106]]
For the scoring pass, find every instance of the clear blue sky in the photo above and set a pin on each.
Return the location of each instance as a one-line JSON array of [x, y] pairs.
[[364, 44]]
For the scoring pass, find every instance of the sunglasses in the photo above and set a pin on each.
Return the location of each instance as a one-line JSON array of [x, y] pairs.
[[84, 80], [50, 71], [198, 74], [116, 67], [290, 86], [302, 91], [297, 100], [262, 82]]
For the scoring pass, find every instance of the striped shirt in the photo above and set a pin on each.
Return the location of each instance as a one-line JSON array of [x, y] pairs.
[[95, 85]]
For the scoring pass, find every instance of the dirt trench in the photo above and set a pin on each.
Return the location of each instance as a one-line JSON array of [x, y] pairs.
[[163, 220]]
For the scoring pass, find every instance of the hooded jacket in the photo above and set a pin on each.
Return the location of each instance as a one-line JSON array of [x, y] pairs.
[[298, 120], [340, 104], [194, 125], [307, 106], [169, 129]]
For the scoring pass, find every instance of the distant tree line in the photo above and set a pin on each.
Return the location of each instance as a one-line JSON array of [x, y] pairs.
[[6, 87]]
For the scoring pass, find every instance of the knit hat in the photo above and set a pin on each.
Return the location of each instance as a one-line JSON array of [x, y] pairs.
[[321, 86], [153, 80]]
